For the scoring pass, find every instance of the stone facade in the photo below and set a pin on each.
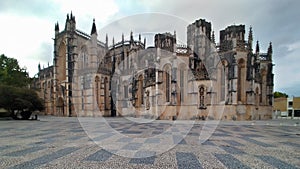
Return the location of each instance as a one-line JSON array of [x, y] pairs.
[[167, 81]]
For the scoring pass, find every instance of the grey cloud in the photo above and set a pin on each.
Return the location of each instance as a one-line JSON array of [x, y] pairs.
[[44, 53], [38, 8]]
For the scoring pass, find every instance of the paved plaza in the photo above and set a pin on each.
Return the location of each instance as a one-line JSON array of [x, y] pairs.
[[62, 142]]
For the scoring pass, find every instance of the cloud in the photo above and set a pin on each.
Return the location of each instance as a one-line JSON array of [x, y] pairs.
[[35, 8], [148, 23], [27, 26]]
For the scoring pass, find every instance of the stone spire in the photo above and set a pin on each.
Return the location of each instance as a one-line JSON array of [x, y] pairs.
[[250, 38], [213, 37], [270, 51], [94, 29], [56, 26], [140, 37], [257, 47], [131, 36], [106, 40]]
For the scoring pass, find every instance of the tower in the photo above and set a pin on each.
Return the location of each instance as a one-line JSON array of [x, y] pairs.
[[199, 38], [232, 38], [165, 41]]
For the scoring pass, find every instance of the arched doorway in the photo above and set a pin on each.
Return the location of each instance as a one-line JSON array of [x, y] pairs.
[[60, 107], [140, 92]]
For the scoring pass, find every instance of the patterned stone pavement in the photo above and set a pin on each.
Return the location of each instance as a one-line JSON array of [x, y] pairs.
[[60, 142]]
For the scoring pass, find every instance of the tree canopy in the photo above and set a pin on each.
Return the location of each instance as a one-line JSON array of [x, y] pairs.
[[11, 74], [19, 100], [15, 96], [280, 94]]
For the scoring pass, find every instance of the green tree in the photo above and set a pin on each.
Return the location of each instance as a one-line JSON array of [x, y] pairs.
[[11, 74], [280, 94], [20, 102]]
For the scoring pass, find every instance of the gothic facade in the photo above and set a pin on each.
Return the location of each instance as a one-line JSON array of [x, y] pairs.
[[201, 80]]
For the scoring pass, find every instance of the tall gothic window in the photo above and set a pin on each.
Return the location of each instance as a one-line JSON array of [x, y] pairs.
[[106, 94], [241, 80], [125, 91], [140, 99], [201, 97], [223, 84], [84, 57], [167, 72], [182, 84], [97, 90]]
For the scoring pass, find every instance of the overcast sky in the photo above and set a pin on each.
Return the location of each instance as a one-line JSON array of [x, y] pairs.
[[27, 27]]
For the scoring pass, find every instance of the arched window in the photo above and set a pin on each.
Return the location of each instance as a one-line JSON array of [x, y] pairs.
[[222, 76], [241, 80], [106, 94], [201, 97], [167, 81], [263, 87], [257, 96], [61, 63], [97, 90], [181, 74], [84, 57], [125, 91], [141, 91]]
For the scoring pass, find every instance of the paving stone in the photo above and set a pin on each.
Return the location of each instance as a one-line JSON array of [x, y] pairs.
[[232, 150], [125, 139], [152, 140], [233, 143], [276, 162], [147, 160], [25, 151], [132, 146], [230, 162], [102, 137], [100, 156], [46, 158], [187, 161], [291, 144], [209, 143], [259, 143]]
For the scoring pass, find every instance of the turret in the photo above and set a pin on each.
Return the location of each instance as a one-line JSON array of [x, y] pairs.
[[56, 29], [131, 36], [250, 39], [70, 22], [200, 29], [39, 67], [213, 37], [270, 51], [232, 38], [94, 29], [106, 41], [257, 47], [165, 41]]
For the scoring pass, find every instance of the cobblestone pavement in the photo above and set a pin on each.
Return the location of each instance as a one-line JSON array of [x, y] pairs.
[[61, 142]]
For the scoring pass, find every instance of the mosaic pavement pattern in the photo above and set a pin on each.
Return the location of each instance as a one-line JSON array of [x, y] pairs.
[[56, 142]]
